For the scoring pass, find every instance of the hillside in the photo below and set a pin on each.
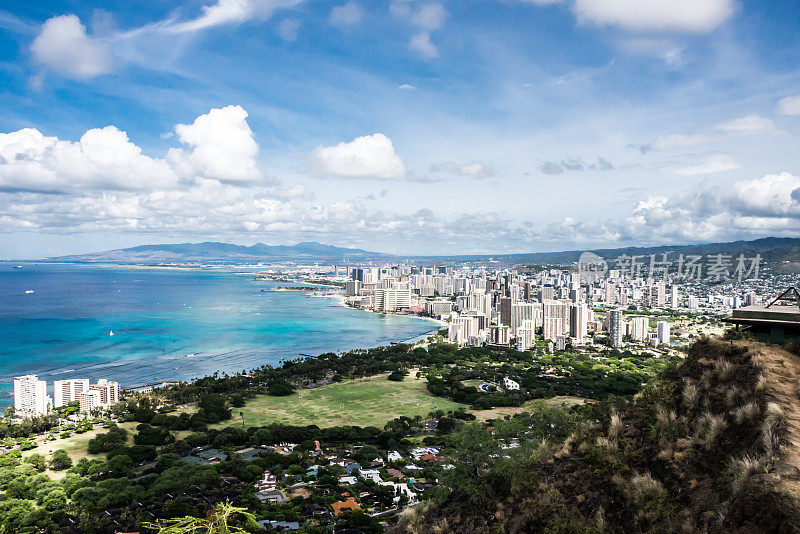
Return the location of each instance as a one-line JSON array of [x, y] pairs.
[[782, 252], [221, 252], [714, 446]]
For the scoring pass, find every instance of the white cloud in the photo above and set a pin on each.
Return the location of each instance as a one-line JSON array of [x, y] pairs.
[[475, 169], [346, 15], [296, 192], [64, 46], [426, 19], [288, 29], [694, 16], [746, 125], [748, 208], [738, 127], [104, 158], [370, 156], [708, 164], [406, 87], [222, 147], [790, 105], [422, 43], [230, 12]]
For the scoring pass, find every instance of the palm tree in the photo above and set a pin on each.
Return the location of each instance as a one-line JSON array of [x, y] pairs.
[[215, 523]]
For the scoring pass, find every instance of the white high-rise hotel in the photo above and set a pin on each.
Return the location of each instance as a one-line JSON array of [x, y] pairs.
[[30, 396], [31, 399]]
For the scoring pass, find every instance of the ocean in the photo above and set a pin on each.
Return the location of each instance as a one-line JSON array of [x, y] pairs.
[[168, 324]]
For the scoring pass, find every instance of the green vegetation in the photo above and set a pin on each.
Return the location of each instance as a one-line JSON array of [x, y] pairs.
[[364, 402]]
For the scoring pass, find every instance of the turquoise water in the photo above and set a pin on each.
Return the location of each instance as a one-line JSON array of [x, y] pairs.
[[167, 324]]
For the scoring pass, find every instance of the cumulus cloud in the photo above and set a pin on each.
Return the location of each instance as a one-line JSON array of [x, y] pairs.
[[790, 105], [104, 158], [475, 169], [748, 208], [64, 46], [221, 144], [693, 16], [221, 147], [370, 156], [346, 15]]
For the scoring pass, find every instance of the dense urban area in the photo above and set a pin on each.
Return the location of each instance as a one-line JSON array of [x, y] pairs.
[[369, 439]]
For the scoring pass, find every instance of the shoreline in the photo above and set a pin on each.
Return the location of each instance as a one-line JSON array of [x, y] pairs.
[[128, 373]]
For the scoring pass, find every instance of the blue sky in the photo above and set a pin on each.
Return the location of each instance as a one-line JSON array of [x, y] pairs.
[[401, 126]]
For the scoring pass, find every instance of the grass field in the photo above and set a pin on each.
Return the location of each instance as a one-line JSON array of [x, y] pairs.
[[366, 402], [566, 401]]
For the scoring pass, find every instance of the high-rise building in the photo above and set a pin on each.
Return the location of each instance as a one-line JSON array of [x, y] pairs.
[[524, 311], [30, 396], [557, 309], [639, 328], [662, 330], [352, 288], [505, 311], [89, 400], [674, 299], [552, 328], [109, 392], [525, 336], [616, 327], [65, 391], [392, 299], [578, 322]]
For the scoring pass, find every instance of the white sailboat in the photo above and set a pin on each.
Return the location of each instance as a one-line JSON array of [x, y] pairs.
[[110, 332]]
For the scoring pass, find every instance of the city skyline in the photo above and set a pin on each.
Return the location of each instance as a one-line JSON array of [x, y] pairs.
[[408, 127]]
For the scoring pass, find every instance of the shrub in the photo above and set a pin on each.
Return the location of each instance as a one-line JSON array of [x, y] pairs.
[[60, 460]]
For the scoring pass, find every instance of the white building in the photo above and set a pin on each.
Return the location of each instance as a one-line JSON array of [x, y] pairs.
[[510, 385], [616, 327], [66, 391], [109, 392], [553, 327], [392, 299], [578, 322], [89, 401], [525, 336], [30, 396], [640, 327]]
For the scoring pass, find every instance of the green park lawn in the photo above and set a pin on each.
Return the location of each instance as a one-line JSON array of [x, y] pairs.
[[365, 402]]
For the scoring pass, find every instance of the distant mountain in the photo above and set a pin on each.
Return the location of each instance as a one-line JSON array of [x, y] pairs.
[[221, 252], [778, 251], [781, 252]]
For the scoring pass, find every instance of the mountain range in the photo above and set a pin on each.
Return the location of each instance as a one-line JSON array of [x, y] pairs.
[[782, 252], [221, 252]]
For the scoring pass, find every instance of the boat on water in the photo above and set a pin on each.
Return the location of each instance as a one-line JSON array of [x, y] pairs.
[[110, 332], [29, 291], [18, 267]]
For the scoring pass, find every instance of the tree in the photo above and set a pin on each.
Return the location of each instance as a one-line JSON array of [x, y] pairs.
[[218, 522], [60, 460], [38, 461], [262, 436]]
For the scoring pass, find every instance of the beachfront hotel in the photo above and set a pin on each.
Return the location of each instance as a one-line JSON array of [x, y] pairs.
[[30, 396], [31, 399]]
